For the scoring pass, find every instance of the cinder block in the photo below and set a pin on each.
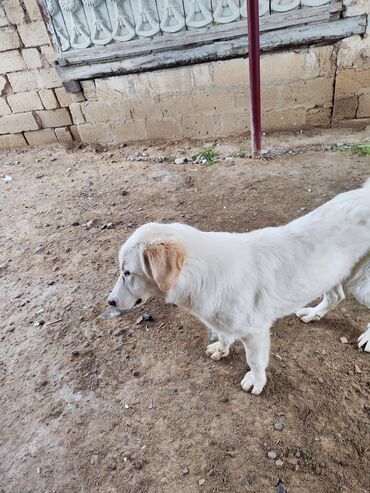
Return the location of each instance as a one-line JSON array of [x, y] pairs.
[[318, 117], [14, 11], [163, 129], [116, 88], [350, 82], [364, 104], [284, 119], [233, 123], [77, 116], [231, 73], [64, 135], [91, 134], [306, 93], [63, 97], [130, 131], [24, 101], [345, 108], [49, 78], [76, 97], [201, 76], [75, 133], [4, 85], [33, 34], [12, 141], [200, 126], [4, 107], [22, 81], [3, 20], [48, 99], [202, 103], [48, 53], [169, 106], [100, 112], [33, 10], [21, 122], [54, 118], [172, 81], [11, 61], [9, 39], [32, 58], [41, 137], [89, 89]]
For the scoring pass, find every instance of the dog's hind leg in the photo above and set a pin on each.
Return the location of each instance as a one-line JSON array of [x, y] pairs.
[[219, 349], [364, 340], [359, 286], [257, 349], [330, 300]]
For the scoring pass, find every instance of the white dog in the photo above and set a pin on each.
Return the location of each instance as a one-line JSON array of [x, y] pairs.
[[239, 284]]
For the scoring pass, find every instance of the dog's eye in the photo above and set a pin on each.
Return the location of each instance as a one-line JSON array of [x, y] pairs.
[[126, 273]]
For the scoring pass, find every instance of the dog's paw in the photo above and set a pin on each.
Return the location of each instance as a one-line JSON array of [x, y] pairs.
[[216, 351], [250, 381], [309, 314], [364, 340]]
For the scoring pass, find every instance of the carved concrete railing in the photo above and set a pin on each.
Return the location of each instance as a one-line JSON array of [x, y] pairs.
[[82, 24]]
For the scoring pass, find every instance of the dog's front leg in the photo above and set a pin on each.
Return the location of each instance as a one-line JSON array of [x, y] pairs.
[[257, 349], [219, 349]]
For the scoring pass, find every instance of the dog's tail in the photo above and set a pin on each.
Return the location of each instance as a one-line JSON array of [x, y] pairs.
[[366, 184]]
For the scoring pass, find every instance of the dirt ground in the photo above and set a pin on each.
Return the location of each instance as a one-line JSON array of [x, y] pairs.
[[92, 405]]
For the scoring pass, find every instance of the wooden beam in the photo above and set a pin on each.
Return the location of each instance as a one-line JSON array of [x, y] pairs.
[[119, 51], [302, 35]]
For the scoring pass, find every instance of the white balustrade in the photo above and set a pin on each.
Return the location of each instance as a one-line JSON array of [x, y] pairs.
[[81, 24]]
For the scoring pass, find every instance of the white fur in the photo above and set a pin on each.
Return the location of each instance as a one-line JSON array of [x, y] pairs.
[[238, 285]]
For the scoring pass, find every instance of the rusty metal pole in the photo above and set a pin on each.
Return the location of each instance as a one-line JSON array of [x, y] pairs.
[[254, 75]]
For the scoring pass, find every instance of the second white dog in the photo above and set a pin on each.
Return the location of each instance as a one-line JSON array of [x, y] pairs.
[[238, 285]]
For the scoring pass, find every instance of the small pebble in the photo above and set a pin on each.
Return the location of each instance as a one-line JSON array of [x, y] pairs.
[[279, 463], [181, 160], [75, 223], [201, 482], [344, 340], [136, 464], [147, 317], [279, 426], [358, 369], [119, 332], [271, 455], [136, 373], [185, 471], [281, 488], [320, 380]]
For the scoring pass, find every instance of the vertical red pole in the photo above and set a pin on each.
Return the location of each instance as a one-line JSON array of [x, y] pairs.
[[254, 75]]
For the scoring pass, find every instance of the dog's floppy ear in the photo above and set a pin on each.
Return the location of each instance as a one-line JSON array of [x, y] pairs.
[[164, 262]]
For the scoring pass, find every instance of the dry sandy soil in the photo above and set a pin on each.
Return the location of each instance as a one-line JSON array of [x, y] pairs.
[[89, 405]]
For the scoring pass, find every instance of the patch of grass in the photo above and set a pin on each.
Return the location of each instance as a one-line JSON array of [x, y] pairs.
[[363, 149], [206, 156]]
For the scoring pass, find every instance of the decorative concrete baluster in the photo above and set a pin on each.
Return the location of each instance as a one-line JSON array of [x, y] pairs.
[[226, 11], [198, 13], [57, 20], [122, 20], [147, 23], [264, 8], [75, 20], [171, 15], [284, 5], [98, 21], [314, 3]]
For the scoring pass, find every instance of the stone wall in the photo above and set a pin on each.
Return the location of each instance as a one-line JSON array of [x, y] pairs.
[[313, 86]]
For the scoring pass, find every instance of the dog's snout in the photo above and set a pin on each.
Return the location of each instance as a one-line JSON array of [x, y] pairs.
[[112, 302]]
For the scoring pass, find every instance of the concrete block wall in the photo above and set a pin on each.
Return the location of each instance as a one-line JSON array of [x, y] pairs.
[[34, 107], [315, 86]]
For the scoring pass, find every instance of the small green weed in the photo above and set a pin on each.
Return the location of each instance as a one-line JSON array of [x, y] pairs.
[[363, 149], [206, 156]]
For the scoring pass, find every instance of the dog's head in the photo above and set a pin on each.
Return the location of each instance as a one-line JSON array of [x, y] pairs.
[[150, 262]]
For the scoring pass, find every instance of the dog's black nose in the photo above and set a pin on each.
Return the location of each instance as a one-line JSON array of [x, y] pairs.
[[112, 302]]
